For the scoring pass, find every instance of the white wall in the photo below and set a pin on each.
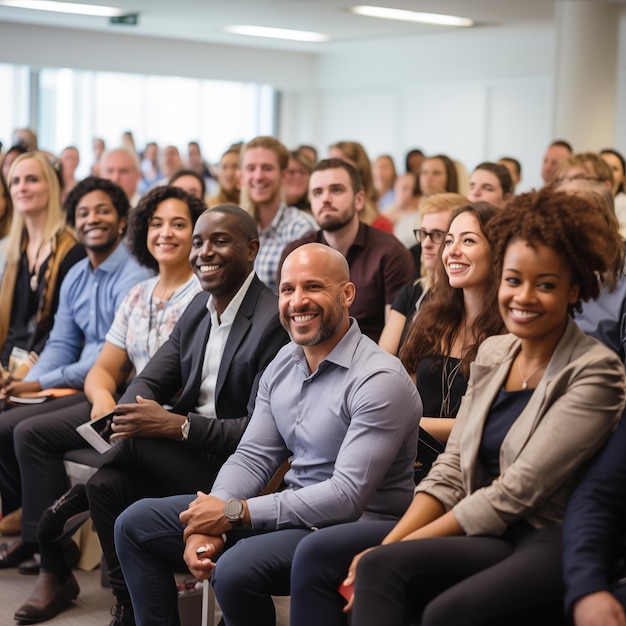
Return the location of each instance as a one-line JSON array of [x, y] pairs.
[[474, 95]]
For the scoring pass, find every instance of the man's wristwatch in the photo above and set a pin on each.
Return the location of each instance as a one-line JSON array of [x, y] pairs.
[[184, 429], [233, 511]]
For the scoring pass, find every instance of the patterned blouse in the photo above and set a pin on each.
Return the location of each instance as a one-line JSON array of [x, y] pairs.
[[143, 322]]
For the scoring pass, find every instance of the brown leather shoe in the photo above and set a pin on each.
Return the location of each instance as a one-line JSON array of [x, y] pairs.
[[11, 524], [48, 599]]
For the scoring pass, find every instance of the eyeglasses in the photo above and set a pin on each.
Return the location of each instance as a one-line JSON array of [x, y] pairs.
[[436, 236], [569, 179]]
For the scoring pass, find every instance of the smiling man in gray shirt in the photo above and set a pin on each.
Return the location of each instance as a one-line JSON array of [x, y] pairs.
[[342, 411]]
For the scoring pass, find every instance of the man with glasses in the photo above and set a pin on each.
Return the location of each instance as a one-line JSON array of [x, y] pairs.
[[379, 264]]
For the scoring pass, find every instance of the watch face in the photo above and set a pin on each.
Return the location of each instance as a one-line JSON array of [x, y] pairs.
[[233, 509]]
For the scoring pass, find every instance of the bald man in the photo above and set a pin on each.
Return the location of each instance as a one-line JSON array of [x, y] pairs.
[[342, 411]]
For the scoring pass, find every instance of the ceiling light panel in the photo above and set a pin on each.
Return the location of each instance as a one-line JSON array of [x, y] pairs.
[[412, 16]]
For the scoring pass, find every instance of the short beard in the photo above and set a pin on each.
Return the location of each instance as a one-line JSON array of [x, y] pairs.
[[107, 246], [325, 331]]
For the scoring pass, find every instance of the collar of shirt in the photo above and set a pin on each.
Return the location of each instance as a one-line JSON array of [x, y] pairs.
[[341, 355], [360, 241], [229, 314]]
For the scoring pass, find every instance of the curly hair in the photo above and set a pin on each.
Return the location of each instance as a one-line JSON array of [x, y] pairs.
[[93, 183], [140, 219], [570, 224], [440, 319]]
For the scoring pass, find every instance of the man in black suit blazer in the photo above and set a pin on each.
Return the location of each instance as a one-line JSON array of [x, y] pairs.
[[207, 371]]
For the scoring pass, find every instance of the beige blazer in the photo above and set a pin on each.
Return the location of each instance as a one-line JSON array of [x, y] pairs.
[[571, 413]]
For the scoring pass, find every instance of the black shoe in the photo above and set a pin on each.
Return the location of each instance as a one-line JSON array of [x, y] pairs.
[[30, 567], [61, 520], [123, 615], [12, 555]]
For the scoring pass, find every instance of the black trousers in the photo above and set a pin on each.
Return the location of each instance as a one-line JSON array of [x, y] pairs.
[[142, 468], [462, 581], [33, 440]]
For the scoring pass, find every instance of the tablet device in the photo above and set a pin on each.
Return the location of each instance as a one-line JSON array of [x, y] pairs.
[[98, 432]]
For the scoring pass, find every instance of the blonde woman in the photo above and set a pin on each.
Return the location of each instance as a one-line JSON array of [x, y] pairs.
[[39, 250]]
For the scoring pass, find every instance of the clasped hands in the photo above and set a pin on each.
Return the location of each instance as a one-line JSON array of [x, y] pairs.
[[204, 524]]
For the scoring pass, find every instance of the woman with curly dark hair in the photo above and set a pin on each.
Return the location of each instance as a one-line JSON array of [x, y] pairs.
[[540, 402], [480, 544], [160, 238]]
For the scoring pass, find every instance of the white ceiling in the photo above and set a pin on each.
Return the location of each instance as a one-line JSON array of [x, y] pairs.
[[203, 20]]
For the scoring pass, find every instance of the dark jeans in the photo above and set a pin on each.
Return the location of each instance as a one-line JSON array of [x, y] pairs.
[[136, 469], [320, 565], [32, 442], [148, 536]]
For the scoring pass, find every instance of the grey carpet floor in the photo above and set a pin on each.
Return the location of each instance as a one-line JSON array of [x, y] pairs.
[[92, 608]]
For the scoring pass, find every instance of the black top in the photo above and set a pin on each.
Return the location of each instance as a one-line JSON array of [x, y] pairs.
[[406, 302], [505, 409], [441, 384], [24, 310]]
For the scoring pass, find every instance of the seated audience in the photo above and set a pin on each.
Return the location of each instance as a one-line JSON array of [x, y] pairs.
[[436, 214], [99, 146], [150, 173], [170, 162], [189, 181], [227, 179], [196, 163], [208, 372], [343, 412], [384, 175], [296, 181], [481, 541], [69, 161], [160, 239], [438, 175], [264, 161], [122, 167], [404, 210], [604, 317], [491, 182], [379, 263], [10, 155], [617, 164], [556, 153], [515, 170], [354, 153], [587, 166], [6, 216], [40, 249], [90, 294], [310, 151], [413, 163]]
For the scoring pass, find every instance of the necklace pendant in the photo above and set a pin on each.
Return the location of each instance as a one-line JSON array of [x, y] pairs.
[[524, 385], [34, 282]]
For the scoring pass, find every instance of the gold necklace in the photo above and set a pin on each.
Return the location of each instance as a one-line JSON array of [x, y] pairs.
[[527, 378]]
